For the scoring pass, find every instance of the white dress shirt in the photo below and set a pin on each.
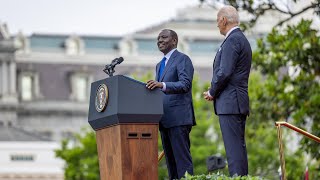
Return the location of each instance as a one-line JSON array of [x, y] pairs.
[[168, 55]]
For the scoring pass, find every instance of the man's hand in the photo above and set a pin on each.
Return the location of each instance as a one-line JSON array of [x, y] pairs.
[[152, 84], [207, 96]]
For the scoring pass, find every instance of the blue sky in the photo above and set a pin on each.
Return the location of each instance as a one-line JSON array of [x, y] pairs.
[[90, 17]]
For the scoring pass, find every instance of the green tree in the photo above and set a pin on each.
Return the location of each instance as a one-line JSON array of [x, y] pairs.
[[290, 61], [80, 156], [261, 136]]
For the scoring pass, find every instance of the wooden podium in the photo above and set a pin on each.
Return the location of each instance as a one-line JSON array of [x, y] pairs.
[[125, 115]]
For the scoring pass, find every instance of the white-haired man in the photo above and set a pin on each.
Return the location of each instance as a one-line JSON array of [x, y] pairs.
[[229, 89]]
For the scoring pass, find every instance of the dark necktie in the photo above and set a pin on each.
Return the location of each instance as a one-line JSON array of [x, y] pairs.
[[162, 66]]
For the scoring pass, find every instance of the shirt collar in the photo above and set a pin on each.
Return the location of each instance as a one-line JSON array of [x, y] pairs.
[[228, 33], [168, 55]]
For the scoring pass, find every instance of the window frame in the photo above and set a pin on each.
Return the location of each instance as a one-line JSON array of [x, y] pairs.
[[74, 94], [35, 93]]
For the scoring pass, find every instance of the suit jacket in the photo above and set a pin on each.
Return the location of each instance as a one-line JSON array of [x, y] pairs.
[[231, 69], [177, 98]]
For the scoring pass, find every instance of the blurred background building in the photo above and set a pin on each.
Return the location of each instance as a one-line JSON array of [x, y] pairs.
[[45, 81]]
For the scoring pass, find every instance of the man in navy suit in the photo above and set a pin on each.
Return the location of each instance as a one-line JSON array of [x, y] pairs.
[[229, 89], [174, 74]]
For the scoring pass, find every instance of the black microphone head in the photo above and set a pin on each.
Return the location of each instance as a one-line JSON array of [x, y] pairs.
[[120, 59], [114, 61]]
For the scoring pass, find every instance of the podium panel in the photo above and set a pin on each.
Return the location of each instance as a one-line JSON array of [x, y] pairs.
[[131, 154], [129, 101]]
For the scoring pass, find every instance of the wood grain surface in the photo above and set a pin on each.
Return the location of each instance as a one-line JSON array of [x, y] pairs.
[[128, 152]]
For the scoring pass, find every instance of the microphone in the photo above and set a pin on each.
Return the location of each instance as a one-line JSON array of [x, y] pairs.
[[116, 61], [109, 68]]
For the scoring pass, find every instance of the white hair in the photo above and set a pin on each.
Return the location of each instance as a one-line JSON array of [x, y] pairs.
[[230, 13]]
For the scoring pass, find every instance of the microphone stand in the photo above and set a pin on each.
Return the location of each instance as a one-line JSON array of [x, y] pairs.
[[109, 69]]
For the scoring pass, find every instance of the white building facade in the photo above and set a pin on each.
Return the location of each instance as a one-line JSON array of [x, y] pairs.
[[30, 160]]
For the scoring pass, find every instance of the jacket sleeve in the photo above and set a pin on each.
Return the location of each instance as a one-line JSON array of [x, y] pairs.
[[229, 56]]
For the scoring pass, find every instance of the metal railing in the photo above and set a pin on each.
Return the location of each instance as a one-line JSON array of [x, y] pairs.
[[305, 133], [160, 156], [282, 161]]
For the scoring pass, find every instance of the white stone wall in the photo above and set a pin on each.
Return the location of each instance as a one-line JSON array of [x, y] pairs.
[[43, 166]]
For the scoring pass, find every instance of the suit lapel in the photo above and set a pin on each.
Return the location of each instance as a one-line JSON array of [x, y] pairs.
[[169, 63], [157, 71]]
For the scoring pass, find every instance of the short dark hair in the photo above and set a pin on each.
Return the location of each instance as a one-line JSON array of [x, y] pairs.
[[173, 34]]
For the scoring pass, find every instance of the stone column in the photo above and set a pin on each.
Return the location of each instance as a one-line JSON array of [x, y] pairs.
[[1, 78], [4, 78], [8, 101], [12, 79]]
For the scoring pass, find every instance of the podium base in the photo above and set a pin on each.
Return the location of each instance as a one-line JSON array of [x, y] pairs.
[[128, 152]]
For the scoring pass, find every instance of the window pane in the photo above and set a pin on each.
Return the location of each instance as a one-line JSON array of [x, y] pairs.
[[101, 44], [26, 91], [81, 88], [41, 43], [22, 158], [203, 47], [147, 46]]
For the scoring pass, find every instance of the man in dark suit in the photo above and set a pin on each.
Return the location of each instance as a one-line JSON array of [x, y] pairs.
[[229, 89], [174, 74]]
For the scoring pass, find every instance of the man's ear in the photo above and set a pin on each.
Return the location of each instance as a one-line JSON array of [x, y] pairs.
[[175, 42]]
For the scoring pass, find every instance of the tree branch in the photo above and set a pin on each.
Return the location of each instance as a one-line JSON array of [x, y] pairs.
[[264, 7], [278, 9], [292, 15]]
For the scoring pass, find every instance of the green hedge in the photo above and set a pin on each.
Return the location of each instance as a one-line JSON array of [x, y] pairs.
[[219, 176]]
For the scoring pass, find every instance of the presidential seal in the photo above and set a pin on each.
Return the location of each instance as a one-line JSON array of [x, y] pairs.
[[101, 97]]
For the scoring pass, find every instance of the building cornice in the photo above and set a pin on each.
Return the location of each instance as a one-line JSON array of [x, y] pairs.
[[146, 60]]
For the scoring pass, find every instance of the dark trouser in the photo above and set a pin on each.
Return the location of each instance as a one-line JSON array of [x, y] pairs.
[[233, 133], [176, 145]]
